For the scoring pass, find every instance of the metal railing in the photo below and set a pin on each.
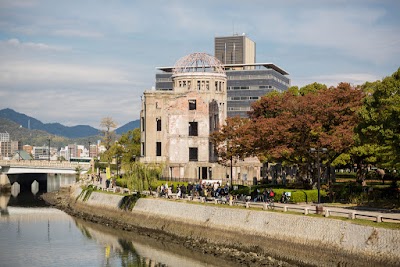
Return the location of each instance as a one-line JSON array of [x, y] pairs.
[[43, 163]]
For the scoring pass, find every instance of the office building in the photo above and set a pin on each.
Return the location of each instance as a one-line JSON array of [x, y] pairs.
[[236, 49]]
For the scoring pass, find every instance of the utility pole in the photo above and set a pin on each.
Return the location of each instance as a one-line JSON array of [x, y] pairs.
[[49, 148]]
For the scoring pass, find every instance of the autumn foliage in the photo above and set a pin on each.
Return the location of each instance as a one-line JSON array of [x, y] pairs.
[[284, 126]]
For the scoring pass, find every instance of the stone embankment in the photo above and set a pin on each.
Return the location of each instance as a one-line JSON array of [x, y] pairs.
[[249, 237]]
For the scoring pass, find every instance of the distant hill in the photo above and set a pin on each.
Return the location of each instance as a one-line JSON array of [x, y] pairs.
[[39, 137], [127, 127], [52, 128]]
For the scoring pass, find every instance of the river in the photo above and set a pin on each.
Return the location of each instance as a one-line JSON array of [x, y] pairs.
[[33, 234]]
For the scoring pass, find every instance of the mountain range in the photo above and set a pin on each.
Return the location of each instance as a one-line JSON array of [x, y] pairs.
[[79, 131]]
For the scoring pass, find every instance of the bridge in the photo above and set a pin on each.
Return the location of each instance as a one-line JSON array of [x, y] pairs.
[[49, 173]]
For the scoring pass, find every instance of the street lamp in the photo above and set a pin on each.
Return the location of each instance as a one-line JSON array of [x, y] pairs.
[[231, 172], [318, 151]]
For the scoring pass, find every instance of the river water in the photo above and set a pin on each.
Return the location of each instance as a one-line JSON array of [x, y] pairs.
[[32, 234]]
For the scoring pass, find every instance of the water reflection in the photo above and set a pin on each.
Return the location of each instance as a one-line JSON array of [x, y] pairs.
[[4, 199], [32, 234], [132, 249]]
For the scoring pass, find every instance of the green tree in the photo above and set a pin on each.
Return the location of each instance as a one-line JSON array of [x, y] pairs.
[[108, 126], [130, 141], [140, 176], [379, 127], [312, 88]]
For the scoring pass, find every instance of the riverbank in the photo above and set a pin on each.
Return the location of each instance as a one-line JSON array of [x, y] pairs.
[[247, 237]]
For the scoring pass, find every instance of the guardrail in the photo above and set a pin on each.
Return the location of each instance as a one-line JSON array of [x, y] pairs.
[[327, 212], [42, 163]]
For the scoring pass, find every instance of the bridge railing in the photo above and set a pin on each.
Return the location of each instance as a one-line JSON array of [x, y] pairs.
[[44, 163]]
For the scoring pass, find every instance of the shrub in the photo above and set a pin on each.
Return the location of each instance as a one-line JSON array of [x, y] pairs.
[[122, 182], [345, 175]]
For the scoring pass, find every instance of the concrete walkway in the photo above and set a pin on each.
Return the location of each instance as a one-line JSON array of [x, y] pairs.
[[352, 212]]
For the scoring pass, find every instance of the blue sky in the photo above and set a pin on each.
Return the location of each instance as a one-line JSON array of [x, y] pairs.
[[75, 62]]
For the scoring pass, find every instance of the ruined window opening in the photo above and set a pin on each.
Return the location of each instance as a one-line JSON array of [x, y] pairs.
[[207, 85], [180, 84], [193, 128], [184, 83], [142, 124], [198, 85], [216, 86], [188, 84], [158, 149], [193, 154], [158, 125], [192, 104]]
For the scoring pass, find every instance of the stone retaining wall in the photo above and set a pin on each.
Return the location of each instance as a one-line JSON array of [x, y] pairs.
[[232, 223]]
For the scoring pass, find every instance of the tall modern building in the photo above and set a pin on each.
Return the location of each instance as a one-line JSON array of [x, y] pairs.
[[237, 49], [176, 123], [247, 81]]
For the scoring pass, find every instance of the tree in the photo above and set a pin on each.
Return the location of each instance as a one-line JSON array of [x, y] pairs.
[[379, 126], [130, 141], [108, 125], [312, 88], [140, 176], [284, 126]]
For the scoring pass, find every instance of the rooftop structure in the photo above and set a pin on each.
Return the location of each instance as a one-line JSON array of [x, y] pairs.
[[236, 49]]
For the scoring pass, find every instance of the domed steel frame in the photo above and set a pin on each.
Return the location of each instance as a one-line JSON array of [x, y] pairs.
[[198, 62]]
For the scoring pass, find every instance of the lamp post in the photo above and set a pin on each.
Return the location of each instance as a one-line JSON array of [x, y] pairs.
[[318, 151], [231, 172], [89, 149]]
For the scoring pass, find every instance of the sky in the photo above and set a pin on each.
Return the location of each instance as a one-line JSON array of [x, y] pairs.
[[76, 62]]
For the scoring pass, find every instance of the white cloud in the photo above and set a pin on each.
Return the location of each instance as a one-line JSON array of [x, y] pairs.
[[38, 72], [15, 43]]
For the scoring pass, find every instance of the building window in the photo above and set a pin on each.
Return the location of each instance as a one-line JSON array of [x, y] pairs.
[[193, 128], [198, 85], [158, 149], [142, 151], [192, 104], [158, 125], [193, 154], [142, 124]]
